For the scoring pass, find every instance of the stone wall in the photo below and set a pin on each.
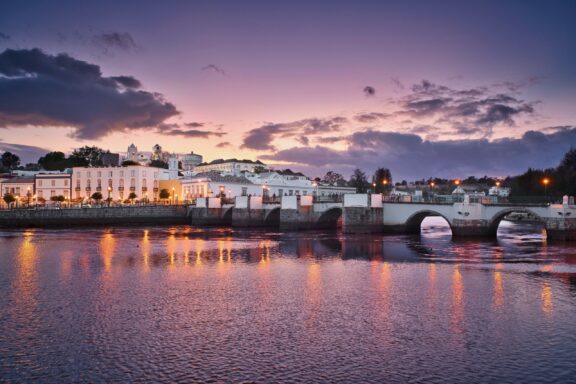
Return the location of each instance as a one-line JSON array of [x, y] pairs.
[[72, 217]]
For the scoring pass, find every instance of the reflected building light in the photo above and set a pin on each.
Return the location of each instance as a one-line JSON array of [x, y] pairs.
[[498, 290], [199, 246], [107, 249], [145, 245], [546, 295], [457, 301]]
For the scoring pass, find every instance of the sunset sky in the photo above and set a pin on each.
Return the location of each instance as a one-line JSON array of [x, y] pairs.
[[425, 88]]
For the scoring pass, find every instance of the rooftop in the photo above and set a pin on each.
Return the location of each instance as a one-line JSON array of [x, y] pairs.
[[224, 161], [215, 176]]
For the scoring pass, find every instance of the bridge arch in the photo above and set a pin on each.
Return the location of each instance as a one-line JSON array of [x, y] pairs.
[[497, 218], [227, 215], [272, 217], [414, 222], [329, 218]]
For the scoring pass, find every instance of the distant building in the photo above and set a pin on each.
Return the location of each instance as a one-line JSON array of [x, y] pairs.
[[191, 160], [47, 185], [142, 180], [22, 188], [231, 166]]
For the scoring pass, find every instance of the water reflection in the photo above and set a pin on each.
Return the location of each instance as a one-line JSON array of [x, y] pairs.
[[169, 304]]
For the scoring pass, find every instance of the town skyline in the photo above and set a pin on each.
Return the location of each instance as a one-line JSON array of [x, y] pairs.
[[307, 87]]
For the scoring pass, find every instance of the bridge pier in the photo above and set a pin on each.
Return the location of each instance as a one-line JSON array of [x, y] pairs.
[[362, 213], [209, 211], [252, 212]]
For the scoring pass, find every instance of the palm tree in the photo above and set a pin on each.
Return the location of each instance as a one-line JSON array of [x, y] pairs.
[[132, 196], [97, 196]]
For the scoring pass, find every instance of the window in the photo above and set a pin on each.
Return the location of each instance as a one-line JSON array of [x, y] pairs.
[[52, 193], [53, 183], [40, 194], [88, 183], [110, 174], [88, 174], [122, 183], [121, 173], [132, 173], [244, 191], [66, 193], [65, 182], [132, 183], [78, 183], [39, 183], [99, 174], [290, 192], [79, 174], [109, 182], [99, 183]]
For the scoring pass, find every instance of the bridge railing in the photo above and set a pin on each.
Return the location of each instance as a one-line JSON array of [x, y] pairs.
[[328, 199], [485, 200]]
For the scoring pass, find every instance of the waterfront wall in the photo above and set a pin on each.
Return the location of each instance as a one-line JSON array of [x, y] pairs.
[[72, 217]]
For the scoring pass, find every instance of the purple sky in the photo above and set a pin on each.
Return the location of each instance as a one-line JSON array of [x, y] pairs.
[[446, 89]]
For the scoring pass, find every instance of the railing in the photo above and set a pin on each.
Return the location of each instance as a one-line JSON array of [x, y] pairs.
[[328, 199], [271, 199], [484, 200]]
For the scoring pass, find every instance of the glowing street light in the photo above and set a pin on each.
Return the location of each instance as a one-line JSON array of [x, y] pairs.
[[173, 195], [498, 183], [432, 184], [457, 182], [545, 181], [109, 190]]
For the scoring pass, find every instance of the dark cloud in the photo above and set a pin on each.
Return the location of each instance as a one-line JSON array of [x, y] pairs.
[[40, 89], [214, 68], [115, 41], [27, 153], [224, 144], [410, 157], [261, 138], [4, 36], [397, 84], [369, 91], [370, 117], [175, 130], [194, 125], [481, 108]]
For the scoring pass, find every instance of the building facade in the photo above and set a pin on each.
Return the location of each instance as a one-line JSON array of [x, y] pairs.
[[231, 166], [51, 185], [22, 188], [116, 182]]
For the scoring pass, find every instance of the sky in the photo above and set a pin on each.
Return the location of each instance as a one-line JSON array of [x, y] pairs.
[[425, 88]]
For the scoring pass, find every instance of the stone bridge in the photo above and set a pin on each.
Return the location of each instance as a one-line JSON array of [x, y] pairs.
[[362, 213]]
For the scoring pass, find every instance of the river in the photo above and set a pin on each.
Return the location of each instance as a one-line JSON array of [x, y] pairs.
[[180, 304]]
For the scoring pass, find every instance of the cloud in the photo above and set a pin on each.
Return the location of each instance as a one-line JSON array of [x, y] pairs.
[[482, 108], [115, 41], [46, 90], [369, 91], [27, 153], [261, 138], [4, 36], [224, 144], [370, 117], [411, 157], [175, 130], [397, 84], [214, 68], [194, 125]]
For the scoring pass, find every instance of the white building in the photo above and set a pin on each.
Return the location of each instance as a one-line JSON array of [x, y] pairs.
[[22, 188], [48, 185], [231, 166], [191, 160], [116, 182]]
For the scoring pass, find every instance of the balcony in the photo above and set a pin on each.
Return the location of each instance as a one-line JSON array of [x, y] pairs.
[[98, 189], [132, 189], [155, 189], [77, 189], [88, 189], [121, 189], [144, 189]]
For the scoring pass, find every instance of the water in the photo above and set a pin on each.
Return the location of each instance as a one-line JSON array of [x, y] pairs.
[[189, 305]]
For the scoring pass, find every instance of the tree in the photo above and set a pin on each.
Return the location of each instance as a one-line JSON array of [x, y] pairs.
[[359, 181], [259, 169], [58, 199], [164, 194], [86, 156], [9, 160], [54, 161], [132, 196], [383, 180], [9, 198], [566, 173], [334, 178], [159, 164], [126, 163], [96, 196]]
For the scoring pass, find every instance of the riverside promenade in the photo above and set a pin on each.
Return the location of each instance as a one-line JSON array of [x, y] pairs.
[[94, 216]]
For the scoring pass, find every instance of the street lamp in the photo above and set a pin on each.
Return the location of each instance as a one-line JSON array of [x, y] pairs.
[[545, 181], [109, 190], [176, 199], [28, 197], [172, 195], [457, 182], [432, 184], [35, 201], [497, 184]]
